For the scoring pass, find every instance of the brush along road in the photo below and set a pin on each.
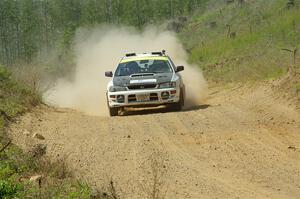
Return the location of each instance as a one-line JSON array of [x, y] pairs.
[[246, 144]]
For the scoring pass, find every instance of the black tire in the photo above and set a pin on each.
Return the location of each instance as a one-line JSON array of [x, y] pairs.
[[175, 107], [113, 111], [178, 106]]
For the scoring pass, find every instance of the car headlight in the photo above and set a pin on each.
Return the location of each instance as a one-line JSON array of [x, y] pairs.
[[117, 89], [168, 85]]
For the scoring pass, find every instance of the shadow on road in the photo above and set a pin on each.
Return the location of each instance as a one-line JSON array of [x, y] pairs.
[[161, 109], [197, 107]]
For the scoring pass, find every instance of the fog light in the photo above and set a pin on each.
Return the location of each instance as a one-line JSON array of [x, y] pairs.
[[165, 95], [112, 96], [173, 92], [120, 98]]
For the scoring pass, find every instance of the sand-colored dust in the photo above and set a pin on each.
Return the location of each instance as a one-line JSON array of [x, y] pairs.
[[100, 49]]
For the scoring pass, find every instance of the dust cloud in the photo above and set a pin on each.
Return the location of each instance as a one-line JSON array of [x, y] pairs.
[[100, 49]]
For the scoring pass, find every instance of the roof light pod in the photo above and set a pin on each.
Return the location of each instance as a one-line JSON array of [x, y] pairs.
[[130, 54], [157, 53]]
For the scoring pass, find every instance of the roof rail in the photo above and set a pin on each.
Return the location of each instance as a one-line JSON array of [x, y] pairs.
[[130, 54], [162, 53], [157, 53]]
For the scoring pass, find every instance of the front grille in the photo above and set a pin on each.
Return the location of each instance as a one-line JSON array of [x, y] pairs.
[[153, 97], [146, 86], [131, 98]]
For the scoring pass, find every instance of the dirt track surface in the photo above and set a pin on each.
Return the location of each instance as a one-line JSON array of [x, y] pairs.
[[245, 144]]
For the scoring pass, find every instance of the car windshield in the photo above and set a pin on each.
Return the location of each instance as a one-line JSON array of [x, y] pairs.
[[143, 66]]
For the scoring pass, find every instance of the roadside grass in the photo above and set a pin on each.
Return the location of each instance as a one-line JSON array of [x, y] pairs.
[[16, 167], [15, 99], [245, 43], [298, 88]]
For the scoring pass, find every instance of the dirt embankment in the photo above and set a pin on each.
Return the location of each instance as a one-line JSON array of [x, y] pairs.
[[244, 144]]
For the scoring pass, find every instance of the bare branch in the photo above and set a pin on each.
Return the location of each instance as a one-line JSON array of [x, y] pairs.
[[285, 49], [5, 146]]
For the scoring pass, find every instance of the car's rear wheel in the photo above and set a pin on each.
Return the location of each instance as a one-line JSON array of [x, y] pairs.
[[113, 111]]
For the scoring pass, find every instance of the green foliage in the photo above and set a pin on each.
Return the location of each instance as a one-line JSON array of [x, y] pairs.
[[14, 98], [247, 41], [4, 74], [10, 169], [30, 28], [298, 88], [1, 124], [10, 108], [9, 189], [16, 166], [79, 190]]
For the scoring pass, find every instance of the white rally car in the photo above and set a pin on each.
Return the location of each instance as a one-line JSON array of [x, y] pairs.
[[143, 80]]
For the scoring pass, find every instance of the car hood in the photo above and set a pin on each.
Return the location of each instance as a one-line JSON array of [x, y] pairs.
[[142, 79]]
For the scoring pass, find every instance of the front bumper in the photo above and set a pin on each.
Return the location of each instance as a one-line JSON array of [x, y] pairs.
[[156, 97]]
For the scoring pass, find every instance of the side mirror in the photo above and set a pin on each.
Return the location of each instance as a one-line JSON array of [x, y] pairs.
[[179, 68], [108, 74]]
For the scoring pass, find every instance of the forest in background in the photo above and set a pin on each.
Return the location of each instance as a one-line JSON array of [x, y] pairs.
[[225, 38], [30, 29]]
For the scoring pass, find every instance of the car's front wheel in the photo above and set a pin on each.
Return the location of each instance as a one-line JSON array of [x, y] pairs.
[[113, 111], [178, 106]]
